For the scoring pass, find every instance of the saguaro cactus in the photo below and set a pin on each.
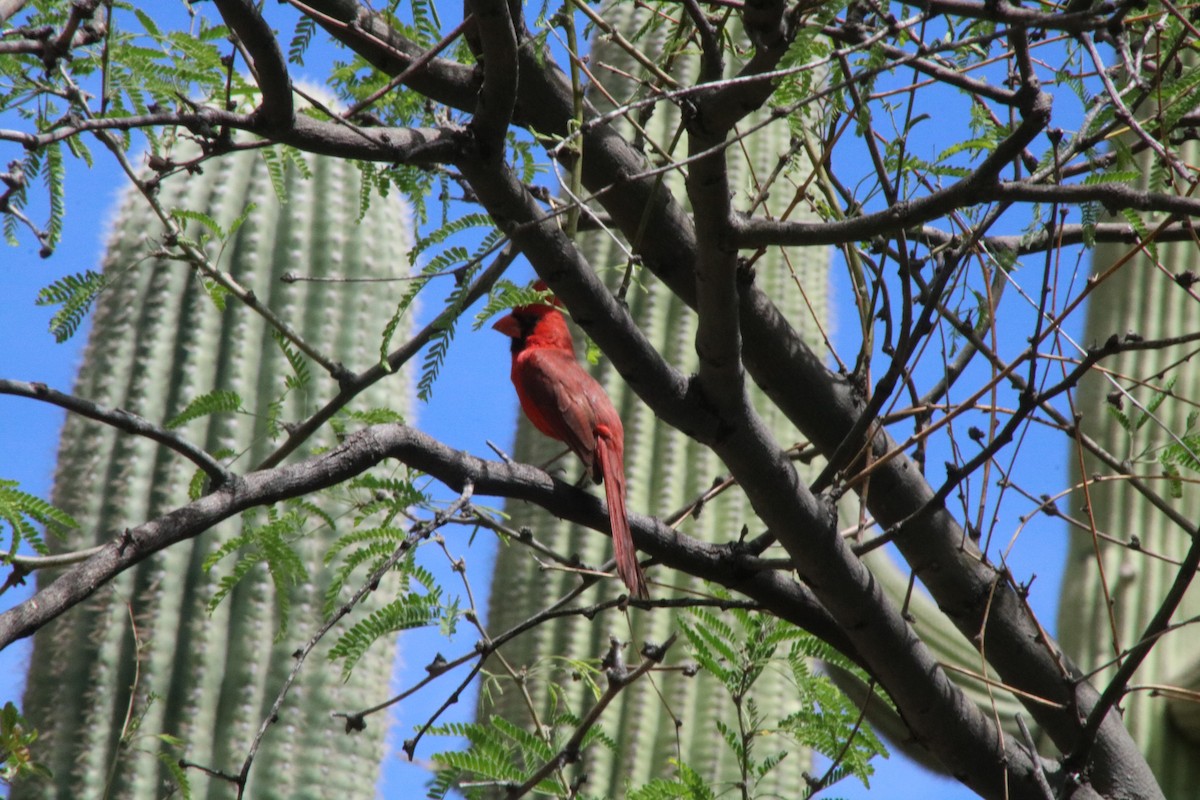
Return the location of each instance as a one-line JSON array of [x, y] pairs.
[[1151, 300], [146, 658], [665, 471]]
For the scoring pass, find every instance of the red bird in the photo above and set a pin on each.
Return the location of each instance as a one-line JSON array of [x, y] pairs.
[[567, 404]]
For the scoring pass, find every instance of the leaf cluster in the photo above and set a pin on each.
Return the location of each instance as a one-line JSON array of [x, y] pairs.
[[737, 648], [24, 513], [271, 545]]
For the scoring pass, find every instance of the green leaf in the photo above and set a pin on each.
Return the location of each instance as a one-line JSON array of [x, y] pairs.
[[374, 416], [301, 38], [215, 402], [275, 171], [1156, 400], [506, 295], [1174, 480], [301, 375], [1143, 232], [269, 545], [75, 293], [527, 742], [1119, 415], [443, 781], [54, 175], [185, 215], [23, 512], [17, 747], [401, 614], [444, 232], [216, 292]]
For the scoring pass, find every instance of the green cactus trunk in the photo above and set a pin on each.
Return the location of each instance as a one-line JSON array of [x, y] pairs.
[[665, 471], [157, 342], [1147, 300]]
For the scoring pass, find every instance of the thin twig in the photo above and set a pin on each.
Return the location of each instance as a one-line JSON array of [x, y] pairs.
[[1031, 745], [569, 752], [419, 532]]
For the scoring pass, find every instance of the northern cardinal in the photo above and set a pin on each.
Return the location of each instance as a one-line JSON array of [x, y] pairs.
[[567, 404]]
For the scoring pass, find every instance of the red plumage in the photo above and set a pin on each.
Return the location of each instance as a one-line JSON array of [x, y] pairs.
[[566, 403]]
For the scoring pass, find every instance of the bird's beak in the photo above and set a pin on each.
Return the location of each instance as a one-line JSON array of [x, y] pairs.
[[509, 326]]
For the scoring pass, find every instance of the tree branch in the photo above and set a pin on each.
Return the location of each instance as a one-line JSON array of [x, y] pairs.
[[368, 33], [267, 62], [124, 421], [366, 448], [498, 97]]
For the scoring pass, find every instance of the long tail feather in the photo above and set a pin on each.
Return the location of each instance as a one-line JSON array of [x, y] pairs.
[[613, 473]]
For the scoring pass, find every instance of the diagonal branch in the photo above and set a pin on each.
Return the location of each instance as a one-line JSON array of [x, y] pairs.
[[364, 449], [617, 682], [352, 386], [122, 420], [368, 33]]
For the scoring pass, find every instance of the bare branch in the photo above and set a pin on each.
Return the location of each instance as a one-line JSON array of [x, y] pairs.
[[498, 97], [267, 62], [617, 682], [124, 421]]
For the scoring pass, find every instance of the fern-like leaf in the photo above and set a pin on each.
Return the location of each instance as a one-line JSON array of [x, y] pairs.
[[447, 230], [443, 781], [268, 544], [525, 741], [505, 295], [54, 174], [401, 614], [23, 512], [301, 38], [275, 171], [301, 375], [75, 293], [205, 221], [215, 402]]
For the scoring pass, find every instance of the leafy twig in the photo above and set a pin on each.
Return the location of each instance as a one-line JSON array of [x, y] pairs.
[[419, 532], [618, 680]]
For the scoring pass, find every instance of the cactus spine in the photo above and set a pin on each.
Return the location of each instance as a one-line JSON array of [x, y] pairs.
[[157, 342], [1143, 298], [665, 471]]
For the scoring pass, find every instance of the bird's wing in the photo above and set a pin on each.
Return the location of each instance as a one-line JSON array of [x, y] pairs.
[[556, 395]]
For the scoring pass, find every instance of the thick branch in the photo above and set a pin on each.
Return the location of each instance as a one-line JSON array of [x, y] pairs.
[[494, 109], [1006, 13], [718, 339], [267, 62], [368, 34], [393, 145], [366, 448], [559, 263], [980, 186]]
